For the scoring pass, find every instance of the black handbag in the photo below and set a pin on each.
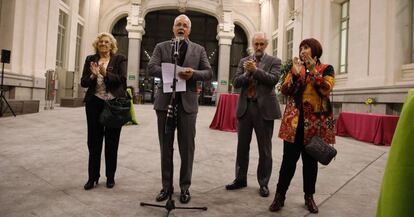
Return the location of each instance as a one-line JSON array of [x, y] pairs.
[[116, 112], [318, 149]]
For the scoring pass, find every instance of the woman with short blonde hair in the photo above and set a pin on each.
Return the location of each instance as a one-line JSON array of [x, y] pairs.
[[114, 44], [105, 75]]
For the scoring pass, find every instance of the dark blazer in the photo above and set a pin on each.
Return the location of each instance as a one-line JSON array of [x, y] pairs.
[[267, 76], [196, 58], [115, 79]]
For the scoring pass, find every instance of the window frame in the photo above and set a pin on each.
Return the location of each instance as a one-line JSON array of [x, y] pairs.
[[61, 39], [344, 19], [412, 31], [275, 40], [289, 44], [79, 35]]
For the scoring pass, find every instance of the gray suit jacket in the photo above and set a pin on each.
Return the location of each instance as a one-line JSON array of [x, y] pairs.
[[267, 76], [195, 58]]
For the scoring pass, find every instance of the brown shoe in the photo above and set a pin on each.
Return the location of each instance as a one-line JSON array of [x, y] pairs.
[[310, 203], [277, 203]]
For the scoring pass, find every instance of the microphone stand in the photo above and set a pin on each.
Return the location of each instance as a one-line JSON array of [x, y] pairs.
[[170, 126]]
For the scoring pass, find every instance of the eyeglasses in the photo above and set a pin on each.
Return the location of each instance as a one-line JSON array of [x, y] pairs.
[[257, 44], [179, 24]]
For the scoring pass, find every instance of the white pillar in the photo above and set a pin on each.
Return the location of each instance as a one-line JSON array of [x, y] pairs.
[[225, 36], [135, 28], [224, 64]]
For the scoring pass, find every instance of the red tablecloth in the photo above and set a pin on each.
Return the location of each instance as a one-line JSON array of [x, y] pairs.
[[374, 128], [225, 117]]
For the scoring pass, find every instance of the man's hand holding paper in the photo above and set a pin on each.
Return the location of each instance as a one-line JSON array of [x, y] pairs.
[[168, 76], [186, 74]]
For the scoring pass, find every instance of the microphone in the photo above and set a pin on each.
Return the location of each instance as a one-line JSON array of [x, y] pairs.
[[176, 44], [176, 40]]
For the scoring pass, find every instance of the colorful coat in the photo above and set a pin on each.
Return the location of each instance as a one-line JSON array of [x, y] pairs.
[[307, 96]]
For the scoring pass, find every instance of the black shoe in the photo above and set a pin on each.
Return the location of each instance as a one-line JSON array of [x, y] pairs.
[[185, 196], [236, 185], [264, 191], [163, 195], [110, 182], [277, 203], [310, 203], [91, 184]]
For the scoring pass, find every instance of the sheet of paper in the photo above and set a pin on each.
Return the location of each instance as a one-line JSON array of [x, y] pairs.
[[168, 76]]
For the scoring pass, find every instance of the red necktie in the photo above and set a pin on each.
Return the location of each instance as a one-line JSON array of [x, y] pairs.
[[251, 90]]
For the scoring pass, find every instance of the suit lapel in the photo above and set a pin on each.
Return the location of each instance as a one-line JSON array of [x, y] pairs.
[[110, 66], [263, 61], [95, 58], [189, 53], [169, 53]]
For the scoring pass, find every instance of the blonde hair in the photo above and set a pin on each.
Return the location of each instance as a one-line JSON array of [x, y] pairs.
[[114, 47]]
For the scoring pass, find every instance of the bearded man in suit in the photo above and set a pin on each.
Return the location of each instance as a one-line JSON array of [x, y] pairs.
[[194, 59], [257, 108]]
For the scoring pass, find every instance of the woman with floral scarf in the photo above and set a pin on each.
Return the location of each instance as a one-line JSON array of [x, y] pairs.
[[308, 113]]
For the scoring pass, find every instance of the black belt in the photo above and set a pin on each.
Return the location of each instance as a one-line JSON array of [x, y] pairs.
[[251, 99]]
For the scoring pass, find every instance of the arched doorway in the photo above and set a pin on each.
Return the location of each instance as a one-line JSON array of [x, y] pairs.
[[238, 51], [204, 31], [121, 35], [158, 28]]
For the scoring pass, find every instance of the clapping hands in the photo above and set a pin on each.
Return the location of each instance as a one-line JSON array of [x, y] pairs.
[[309, 61], [249, 66], [297, 66], [97, 69]]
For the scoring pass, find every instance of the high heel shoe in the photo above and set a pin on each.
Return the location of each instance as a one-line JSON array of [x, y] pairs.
[[110, 182], [91, 184]]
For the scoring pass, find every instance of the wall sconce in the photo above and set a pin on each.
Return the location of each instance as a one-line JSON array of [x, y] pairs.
[[293, 14]]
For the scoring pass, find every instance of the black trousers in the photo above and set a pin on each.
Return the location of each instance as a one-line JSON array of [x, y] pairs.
[[186, 131], [96, 134], [291, 154], [253, 120]]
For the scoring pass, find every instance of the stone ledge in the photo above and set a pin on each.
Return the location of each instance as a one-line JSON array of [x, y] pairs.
[[21, 107], [71, 102]]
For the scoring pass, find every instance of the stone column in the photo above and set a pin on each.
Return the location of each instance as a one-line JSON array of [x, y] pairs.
[[135, 27], [225, 36]]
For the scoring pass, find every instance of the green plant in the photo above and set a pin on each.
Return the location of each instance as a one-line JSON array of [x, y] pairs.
[[284, 69]]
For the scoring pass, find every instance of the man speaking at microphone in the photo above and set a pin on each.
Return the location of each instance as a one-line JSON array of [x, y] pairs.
[[193, 58]]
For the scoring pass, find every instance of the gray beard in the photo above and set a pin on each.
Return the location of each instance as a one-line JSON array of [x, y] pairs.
[[258, 54]]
